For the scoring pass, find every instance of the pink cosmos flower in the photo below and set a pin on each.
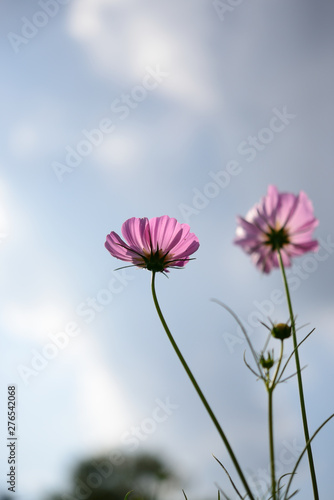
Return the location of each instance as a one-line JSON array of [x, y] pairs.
[[281, 221], [154, 244]]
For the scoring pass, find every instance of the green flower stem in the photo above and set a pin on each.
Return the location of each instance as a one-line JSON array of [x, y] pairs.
[[270, 387], [271, 443], [199, 392], [273, 384], [300, 382]]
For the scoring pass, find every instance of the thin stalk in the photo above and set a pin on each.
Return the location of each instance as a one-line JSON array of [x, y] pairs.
[[274, 383], [271, 443], [300, 382], [271, 386], [199, 392]]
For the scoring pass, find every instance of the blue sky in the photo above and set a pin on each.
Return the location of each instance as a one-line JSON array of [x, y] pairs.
[[114, 109]]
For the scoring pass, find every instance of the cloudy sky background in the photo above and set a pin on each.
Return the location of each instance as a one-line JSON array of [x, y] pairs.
[[223, 77]]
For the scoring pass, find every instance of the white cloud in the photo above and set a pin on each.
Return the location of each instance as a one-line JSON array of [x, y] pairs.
[[99, 404], [122, 38], [24, 139], [33, 133], [4, 211], [32, 321], [120, 151], [81, 413]]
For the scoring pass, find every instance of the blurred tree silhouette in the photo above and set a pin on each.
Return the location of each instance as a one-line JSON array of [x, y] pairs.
[[112, 476]]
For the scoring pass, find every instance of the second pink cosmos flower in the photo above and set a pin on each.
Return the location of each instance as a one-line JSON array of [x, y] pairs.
[[280, 221]]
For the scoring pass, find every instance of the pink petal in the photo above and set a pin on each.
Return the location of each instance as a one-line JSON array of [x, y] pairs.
[[303, 216], [248, 228], [186, 246], [269, 203], [163, 231], [135, 231], [302, 237], [172, 237], [181, 239], [262, 259], [185, 249], [285, 257], [301, 248], [118, 248], [288, 204]]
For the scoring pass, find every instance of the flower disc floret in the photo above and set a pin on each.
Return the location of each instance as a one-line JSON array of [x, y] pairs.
[[280, 221], [156, 261], [154, 244], [277, 238]]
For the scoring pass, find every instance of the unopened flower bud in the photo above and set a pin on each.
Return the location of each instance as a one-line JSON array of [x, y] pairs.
[[281, 331], [266, 363]]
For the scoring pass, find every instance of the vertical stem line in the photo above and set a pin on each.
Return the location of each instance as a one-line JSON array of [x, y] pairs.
[[198, 390], [271, 442], [300, 382], [270, 387]]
